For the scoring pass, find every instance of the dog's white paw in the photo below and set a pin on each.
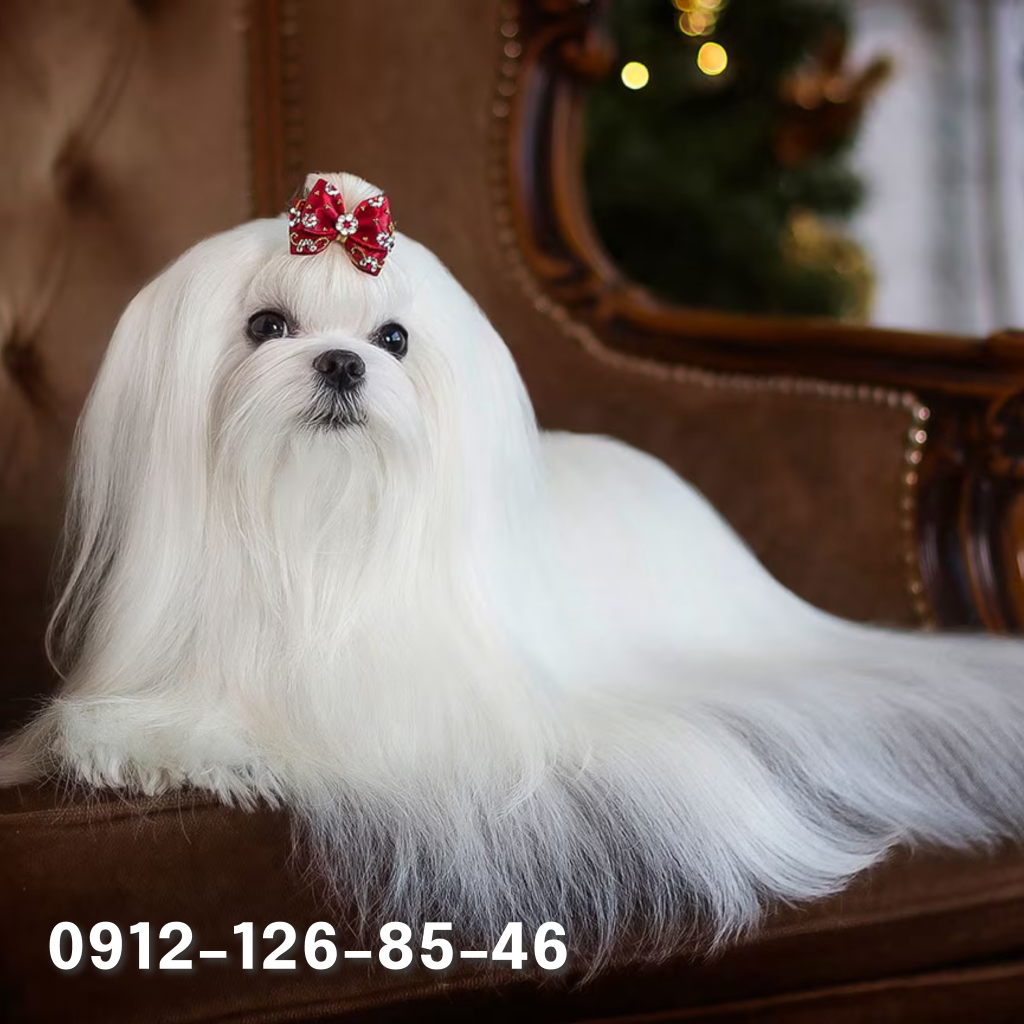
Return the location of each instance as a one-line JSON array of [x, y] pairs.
[[148, 745]]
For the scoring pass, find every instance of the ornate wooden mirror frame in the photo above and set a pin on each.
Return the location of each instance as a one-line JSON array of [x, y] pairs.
[[963, 483]]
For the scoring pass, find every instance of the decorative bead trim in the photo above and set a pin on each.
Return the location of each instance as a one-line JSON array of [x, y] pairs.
[[919, 413]]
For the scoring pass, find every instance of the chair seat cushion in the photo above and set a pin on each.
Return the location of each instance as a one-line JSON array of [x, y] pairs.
[[928, 936]]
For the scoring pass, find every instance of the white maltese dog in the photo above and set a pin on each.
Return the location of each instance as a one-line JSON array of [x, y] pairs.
[[319, 554]]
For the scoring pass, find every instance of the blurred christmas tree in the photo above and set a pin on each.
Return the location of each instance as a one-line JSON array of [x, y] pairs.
[[717, 163]]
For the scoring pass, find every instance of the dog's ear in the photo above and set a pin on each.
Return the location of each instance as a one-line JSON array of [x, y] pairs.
[[140, 461]]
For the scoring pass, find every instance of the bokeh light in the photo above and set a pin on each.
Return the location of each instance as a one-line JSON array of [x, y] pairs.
[[698, 17], [635, 75], [696, 24], [712, 58]]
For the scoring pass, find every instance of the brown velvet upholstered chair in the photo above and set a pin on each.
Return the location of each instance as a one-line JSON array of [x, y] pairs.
[[875, 473]]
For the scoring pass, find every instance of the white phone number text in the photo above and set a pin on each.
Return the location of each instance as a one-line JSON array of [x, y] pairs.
[[108, 946]]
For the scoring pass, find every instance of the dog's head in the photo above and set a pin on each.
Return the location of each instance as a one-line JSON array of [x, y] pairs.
[[296, 407], [239, 336]]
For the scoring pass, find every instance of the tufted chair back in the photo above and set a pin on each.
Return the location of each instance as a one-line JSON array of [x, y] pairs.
[[125, 141]]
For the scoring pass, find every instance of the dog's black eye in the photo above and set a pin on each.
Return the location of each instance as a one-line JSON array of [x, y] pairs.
[[266, 325], [393, 338]]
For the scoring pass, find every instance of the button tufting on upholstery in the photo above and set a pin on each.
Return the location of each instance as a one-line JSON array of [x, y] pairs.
[[124, 126], [72, 176], [20, 360]]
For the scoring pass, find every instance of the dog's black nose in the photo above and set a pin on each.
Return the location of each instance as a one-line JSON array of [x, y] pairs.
[[342, 370]]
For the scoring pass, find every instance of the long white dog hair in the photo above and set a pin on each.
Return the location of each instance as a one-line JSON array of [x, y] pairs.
[[499, 674]]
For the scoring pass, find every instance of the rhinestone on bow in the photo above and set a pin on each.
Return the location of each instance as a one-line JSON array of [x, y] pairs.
[[347, 225]]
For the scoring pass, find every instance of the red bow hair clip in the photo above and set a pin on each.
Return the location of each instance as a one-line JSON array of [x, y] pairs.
[[367, 233]]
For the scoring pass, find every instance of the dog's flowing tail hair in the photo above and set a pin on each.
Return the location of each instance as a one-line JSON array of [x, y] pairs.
[[668, 818]]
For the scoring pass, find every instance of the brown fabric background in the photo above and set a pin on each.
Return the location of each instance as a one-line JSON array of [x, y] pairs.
[[124, 128]]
